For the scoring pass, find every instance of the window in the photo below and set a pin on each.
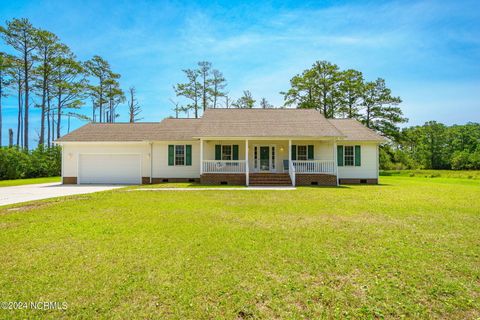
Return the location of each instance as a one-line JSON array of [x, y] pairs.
[[301, 152], [255, 157], [179, 155], [349, 156], [227, 152]]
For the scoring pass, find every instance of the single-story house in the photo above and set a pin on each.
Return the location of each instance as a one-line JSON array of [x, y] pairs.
[[225, 146]]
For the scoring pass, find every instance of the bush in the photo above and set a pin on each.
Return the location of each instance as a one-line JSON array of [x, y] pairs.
[[18, 164], [463, 160]]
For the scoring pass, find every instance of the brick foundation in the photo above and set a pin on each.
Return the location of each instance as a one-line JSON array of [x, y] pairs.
[[315, 179], [163, 180], [358, 181], [69, 180], [223, 178]]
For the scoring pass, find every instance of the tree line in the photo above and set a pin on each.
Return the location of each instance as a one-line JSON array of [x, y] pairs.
[[434, 146], [44, 73]]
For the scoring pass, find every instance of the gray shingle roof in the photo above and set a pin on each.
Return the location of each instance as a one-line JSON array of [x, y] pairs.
[[354, 130], [265, 123], [168, 129], [227, 123]]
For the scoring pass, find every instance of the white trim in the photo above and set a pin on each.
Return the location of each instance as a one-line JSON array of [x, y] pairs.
[[315, 138], [201, 157], [353, 156], [270, 160], [247, 169], [63, 161], [151, 162], [335, 160]]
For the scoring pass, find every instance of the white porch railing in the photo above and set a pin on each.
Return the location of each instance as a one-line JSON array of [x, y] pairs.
[[223, 166], [314, 166]]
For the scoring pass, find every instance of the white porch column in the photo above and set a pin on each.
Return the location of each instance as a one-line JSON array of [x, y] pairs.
[[201, 156], [335, 162], [247, 173], [289, 152]]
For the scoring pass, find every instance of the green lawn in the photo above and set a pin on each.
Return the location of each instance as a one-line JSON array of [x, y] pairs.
[[19, 182], [407, 248], [470, 174]]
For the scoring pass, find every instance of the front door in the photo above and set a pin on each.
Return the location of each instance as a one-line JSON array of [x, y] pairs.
[[265, 158]]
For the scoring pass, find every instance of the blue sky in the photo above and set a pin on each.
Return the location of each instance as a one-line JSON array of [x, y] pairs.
[[428, 51]]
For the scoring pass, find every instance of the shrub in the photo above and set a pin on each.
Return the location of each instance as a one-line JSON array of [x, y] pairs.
[[17, 164]]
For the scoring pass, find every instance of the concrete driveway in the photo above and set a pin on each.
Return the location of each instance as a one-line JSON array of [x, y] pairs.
[[17, 194]]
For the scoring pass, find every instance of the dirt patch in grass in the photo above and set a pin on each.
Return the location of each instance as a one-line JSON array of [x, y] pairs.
[[38, 205], [30, 206]]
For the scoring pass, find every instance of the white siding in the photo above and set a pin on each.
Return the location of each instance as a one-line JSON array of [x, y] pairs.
[[369, 162], [161, 169]]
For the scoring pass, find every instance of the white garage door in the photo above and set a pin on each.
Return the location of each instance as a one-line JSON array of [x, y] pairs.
[[110, 168]]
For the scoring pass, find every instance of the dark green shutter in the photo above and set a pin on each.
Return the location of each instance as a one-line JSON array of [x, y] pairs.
[[310, 152], [294, 152], [358, 156], [340, 156], [235, 152], [188, 155], [171, 154], [218, 152]]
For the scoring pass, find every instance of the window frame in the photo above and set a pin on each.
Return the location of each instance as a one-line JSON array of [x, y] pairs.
[[351, 157], [222, 152], [298, 153], [184, 146]]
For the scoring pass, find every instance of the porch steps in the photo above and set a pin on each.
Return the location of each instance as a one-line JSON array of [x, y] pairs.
[[270, 179]]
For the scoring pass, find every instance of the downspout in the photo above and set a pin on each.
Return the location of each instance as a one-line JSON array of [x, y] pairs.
[[151, 162]]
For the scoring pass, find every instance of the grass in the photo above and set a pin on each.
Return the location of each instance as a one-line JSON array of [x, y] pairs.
[[472, 174], [407, 248], [20, 182], [182, 185]]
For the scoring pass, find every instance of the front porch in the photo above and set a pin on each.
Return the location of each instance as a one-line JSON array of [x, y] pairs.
[[268, 162]]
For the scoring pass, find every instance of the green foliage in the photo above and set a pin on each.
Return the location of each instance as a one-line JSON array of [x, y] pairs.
[[434, 146], [246, 101], [202, 90], [345, 94], [20, 164]]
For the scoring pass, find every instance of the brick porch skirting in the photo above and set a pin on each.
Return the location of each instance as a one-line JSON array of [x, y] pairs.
[[69, 180], [302, 179], [146, 180], [223, 178], [358, 181]]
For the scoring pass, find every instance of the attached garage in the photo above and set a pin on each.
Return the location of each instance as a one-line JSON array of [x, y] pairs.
[[110, 168]]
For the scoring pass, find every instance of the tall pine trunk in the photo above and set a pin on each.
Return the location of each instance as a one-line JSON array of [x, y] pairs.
[[101, 100], [53, 124], [48, 119], [20, 114], [27, 104], [1, 92], [44, 94], [59, 113]]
